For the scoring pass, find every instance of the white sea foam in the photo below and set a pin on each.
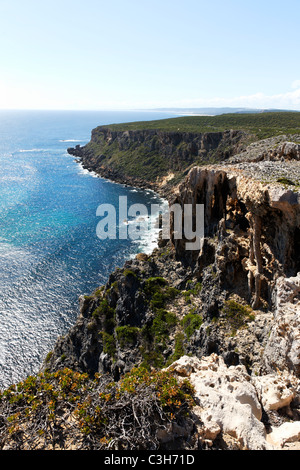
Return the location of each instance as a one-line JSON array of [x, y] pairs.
[[84, 172], [71, 140], [35, 150], [13, 178], [149, 239]]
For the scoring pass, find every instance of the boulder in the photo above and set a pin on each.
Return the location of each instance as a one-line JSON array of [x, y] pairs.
[[274, 391], [227, 401], [286, 433]]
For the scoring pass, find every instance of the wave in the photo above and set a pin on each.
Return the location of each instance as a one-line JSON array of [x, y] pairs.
[[12, 178], [84, 172], [71, 140], [34, 150], [148, 239]]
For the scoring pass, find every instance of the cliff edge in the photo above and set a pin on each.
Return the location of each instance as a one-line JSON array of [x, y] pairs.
[[152, 158], [185, 349]]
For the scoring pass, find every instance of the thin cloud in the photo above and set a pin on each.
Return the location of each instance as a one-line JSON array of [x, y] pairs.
[[296, 84], [289, 100]]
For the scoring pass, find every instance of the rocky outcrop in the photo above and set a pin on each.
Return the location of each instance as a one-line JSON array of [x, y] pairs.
[[227, 406], [230, 404], [282, 350], [261, 220], [278, 148]]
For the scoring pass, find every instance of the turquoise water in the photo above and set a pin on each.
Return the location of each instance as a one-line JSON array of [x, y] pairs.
[[49, 251]]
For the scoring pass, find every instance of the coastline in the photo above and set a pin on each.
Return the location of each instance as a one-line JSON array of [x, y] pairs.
[[174, 312]]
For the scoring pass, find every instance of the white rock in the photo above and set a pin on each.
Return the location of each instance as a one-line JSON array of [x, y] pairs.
[[282, 350], [227, 400], [186, 365], [274, 391]]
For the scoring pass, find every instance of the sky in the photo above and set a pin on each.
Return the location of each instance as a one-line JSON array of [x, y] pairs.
[[142, 54]]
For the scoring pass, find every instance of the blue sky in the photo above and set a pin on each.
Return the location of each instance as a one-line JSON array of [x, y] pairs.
[[95, 54]]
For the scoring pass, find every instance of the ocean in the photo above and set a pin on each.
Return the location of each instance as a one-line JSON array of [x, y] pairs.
[[49, 250]]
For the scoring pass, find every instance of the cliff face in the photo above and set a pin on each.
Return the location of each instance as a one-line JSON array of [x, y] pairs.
[[147, 157], [251, 242], [265, 216], [252, 246]]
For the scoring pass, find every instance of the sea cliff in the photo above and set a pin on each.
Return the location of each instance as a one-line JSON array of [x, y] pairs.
[[153, 158]]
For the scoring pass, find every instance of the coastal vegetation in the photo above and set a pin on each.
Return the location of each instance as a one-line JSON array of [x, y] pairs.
[[236, 315], [67, 409], [160, 153], [260, 125]]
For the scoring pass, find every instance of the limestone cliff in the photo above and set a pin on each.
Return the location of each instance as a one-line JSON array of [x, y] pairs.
[[251, 241], [146, 158]]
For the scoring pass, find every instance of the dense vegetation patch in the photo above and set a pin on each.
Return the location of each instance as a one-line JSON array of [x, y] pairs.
[[262, 125], [159, 292], [236, 315], [67, 409], [191, 322]]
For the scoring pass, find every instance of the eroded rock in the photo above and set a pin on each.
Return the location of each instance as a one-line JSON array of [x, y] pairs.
[[283, 347], [227, 400]]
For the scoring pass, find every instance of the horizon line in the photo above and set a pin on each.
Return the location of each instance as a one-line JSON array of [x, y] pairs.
[[185, 108]]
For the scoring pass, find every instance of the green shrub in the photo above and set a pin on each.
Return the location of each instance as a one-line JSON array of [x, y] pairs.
[[172, 394], [285, 181], [49, 356], [179, 349], [153, 284], [98, 292], [191, 322], [127, 335], [107, 314], [129, 272], [154, 335], [109, 344], [162, 323], [193, 291], [158, 292], [152, 357], [237, 315]]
